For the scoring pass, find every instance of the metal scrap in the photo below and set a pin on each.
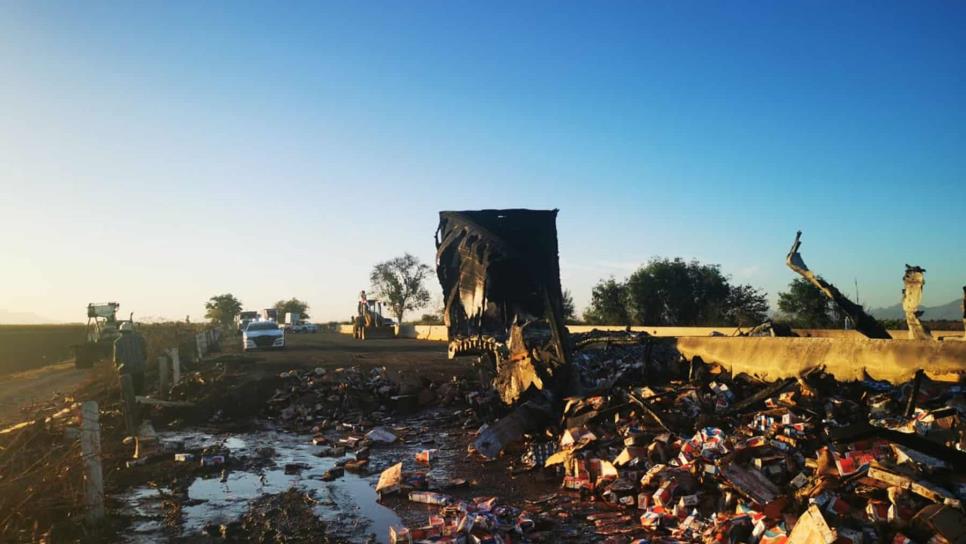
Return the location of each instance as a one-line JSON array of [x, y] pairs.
[[864, 323], [913, 281], [501, 283]]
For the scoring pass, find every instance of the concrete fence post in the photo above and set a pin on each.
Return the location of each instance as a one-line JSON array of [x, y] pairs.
[[201, 345], [163, 383], [175, 366], [91, 456]]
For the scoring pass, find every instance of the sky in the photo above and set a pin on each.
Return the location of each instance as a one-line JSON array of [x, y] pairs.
[[159, 153]]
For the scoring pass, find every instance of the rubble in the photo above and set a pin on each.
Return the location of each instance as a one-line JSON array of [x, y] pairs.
[[913, 281], [316, 399], [666, 452]]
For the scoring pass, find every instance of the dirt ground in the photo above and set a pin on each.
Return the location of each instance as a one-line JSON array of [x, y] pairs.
[[327, 350], [333, 350], [25, 388]]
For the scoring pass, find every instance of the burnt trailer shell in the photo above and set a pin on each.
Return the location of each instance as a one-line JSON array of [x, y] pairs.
[[499, 268]]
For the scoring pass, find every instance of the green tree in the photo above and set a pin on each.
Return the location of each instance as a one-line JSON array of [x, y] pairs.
[[294, 306], [608, 304], [569, 310], [399, 282], [746, 306], [803, 305], [430, 319], [675, 292], [223, 309]]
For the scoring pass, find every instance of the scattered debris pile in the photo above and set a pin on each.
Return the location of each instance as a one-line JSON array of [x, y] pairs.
[[317, 398], [481, 519], [678, 452]]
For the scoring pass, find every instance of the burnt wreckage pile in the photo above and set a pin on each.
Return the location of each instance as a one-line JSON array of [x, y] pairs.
[[653, 447]]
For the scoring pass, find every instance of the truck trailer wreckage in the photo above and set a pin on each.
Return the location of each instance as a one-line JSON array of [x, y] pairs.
[[500, 278], [613, 436]]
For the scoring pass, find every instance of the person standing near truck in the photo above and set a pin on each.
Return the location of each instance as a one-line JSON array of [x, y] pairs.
[[130, 355]]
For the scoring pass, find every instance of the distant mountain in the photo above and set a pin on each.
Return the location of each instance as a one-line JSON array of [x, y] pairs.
[[950, 310], [22, 318]]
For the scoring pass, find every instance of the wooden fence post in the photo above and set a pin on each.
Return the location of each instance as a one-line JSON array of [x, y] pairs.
[[175, 366], [130, 404], [163, 384], [91, 456]]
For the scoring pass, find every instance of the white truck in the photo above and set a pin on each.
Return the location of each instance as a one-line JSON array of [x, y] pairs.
[[293, 322]]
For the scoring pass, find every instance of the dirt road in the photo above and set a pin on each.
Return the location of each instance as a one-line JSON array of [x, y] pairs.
[[25, 388]]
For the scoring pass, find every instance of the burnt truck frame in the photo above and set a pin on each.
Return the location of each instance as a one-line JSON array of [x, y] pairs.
[[500, 276]]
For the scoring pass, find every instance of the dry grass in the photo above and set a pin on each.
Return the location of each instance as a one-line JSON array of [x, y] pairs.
[[41, 477]]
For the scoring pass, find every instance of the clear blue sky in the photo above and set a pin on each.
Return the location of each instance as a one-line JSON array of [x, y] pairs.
[[159, 153]]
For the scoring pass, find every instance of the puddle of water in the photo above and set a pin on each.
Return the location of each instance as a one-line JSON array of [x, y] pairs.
[[348, 505]]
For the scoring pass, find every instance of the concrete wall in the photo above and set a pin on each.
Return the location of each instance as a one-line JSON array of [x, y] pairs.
[[845, 354], [438, 332], [728, 331], [845, 358], [419, 332]]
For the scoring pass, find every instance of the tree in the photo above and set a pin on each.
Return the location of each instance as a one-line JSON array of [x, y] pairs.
[[294, 306], [430, 319], [675, 292], [746, 306], [569, 310], [223, 309], [805, 306], [608, 304], [399, 282]]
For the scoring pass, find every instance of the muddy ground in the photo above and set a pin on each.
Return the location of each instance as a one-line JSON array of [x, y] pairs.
[[329, 350], [166, 500]]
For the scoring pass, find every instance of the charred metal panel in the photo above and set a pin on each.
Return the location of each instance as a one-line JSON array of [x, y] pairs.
[[864, 323], [913, 281], [501, 282], [498, 269]]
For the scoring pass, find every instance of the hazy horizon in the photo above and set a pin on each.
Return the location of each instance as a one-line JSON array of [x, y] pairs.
[[157, 155]]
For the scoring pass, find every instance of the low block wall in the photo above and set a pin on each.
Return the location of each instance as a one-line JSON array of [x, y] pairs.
[[419, 332], [438, 332], [845, 358], [728, 331], [845, 354]]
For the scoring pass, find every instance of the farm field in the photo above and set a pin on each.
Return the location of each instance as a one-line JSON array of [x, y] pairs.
[[25, 347]]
